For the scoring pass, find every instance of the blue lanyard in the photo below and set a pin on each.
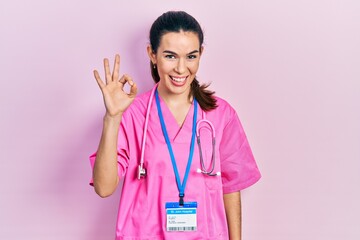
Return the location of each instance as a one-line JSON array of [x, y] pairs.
[[181, 186]]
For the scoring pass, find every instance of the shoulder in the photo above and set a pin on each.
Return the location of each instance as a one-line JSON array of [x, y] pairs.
[[138, 107], [223, 115], [224, 108], [141, 100]]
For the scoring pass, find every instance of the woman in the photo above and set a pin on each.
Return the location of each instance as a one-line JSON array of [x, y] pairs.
[[189, 190]]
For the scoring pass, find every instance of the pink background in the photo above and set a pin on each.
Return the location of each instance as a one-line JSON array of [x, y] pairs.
[[290, 68]]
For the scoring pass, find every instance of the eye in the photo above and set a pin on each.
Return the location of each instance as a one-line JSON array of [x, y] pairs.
[[192, 56], [170, 56]]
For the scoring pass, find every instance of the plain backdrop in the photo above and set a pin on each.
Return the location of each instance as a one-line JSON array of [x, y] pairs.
[[291, 69]]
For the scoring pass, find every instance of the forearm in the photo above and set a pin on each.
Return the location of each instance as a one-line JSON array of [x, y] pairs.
[[105, 173], [232, 202]]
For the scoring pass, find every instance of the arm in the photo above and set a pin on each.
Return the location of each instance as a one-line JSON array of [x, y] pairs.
[[105, 173], [232, 202]]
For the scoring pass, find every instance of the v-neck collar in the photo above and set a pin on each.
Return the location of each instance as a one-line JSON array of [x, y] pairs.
[[177, 133]]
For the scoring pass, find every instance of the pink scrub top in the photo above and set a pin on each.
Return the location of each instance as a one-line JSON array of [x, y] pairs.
[[142, 213]]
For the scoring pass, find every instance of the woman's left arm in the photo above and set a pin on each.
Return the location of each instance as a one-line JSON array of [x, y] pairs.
[[232, 203]]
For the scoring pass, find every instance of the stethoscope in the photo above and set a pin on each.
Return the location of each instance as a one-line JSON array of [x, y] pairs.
[[141, 173]]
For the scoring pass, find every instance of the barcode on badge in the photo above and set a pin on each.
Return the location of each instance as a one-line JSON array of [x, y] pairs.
[[181, 229]]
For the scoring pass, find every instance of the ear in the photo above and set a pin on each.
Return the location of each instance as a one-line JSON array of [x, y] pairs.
[[201, 50], [151, 54]]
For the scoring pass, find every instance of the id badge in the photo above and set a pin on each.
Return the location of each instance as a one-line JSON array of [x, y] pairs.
[[181, 218]]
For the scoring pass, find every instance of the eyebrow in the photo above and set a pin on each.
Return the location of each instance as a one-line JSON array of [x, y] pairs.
[[171, 52]]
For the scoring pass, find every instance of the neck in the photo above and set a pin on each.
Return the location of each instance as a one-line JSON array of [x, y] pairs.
[[174, 100]]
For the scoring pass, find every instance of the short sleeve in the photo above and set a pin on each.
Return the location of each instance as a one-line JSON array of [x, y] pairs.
[[122, 150], [238, 167]]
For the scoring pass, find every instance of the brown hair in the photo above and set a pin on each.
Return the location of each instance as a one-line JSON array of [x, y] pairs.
[[176, 21]]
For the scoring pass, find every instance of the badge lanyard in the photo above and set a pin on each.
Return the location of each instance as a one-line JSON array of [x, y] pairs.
[[181, 186]]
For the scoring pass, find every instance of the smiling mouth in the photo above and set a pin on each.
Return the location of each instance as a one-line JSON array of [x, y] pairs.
[[178, 79]]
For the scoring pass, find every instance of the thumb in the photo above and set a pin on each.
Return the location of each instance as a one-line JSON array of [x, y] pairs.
[[133, 89]]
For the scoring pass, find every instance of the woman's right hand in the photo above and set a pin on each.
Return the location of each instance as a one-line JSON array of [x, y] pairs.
[[115, 98]]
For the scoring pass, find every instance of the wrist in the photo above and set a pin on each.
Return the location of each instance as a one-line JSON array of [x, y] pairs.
[[115, 119]]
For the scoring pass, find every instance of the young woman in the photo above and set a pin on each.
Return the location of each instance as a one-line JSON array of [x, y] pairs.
[[174, 186]]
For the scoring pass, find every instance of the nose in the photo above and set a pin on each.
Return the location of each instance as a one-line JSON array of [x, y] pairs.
[[181, 66]]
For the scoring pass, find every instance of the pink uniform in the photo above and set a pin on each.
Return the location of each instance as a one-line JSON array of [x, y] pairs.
[[142, 213]]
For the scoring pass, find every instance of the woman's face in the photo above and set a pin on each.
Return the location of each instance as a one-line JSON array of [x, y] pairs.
[[177, 60]]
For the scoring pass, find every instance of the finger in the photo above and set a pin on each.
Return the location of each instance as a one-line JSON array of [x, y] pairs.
[[116, 70], [98, 79], [133, 90], [107, 71], [126, 78], [133, 87], [122, 80]]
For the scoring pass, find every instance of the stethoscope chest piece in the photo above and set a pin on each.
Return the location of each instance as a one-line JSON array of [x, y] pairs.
[[141, 172]]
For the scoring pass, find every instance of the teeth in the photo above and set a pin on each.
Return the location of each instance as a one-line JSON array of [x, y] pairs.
[[178, 79]]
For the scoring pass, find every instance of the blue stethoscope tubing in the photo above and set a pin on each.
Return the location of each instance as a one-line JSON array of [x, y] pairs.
[[141, 173]]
